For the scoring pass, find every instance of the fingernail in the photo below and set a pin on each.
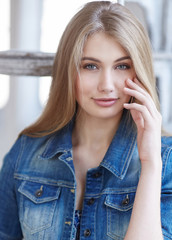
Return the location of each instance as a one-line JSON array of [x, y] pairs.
[[125, 105]]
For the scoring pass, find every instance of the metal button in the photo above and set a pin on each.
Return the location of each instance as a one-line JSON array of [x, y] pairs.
[[97, 175], [87, 233], [39, 192], [91, 201], [125, 202]]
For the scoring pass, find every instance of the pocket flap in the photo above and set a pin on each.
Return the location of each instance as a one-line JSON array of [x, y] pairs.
[[121, 201], [39, 192]]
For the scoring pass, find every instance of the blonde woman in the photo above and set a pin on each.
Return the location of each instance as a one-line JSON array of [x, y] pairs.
[[93, 165]]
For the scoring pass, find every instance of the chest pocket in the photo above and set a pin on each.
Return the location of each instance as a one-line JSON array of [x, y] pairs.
[[37, 205], [119, 208]]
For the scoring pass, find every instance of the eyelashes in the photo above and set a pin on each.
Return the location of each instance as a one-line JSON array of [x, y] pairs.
[[123, 66], [93, 67], [90, 66]]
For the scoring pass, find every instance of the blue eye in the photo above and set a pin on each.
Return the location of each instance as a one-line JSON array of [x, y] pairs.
[[90, 66], [123, 67]]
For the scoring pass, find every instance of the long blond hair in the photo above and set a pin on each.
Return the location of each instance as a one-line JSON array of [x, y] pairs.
[[116, 21]]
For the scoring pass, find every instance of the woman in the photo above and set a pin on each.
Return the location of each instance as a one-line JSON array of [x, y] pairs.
[[91, 166]]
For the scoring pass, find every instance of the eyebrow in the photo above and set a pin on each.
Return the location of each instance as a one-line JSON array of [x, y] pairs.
[[97, 60]]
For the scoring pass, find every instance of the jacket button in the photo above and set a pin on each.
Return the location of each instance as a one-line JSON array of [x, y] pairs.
[[125, 202], [87, 233], [97, 175], [91, 201], [39, 192]]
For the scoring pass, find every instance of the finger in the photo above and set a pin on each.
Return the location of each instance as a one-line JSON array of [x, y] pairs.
[[141, 95], [142, 99], [135, 84], [138, 119], [145, 92], [141, 109]]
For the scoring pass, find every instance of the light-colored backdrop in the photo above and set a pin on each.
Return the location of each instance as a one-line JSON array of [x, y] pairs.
[[37, 26]]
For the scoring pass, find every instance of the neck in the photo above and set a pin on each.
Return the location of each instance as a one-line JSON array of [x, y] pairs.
[[94, 133]]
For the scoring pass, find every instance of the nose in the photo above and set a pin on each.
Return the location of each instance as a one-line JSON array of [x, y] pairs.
[[106, 82]]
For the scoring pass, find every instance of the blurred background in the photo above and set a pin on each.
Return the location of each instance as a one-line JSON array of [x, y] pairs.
[[30, 25]]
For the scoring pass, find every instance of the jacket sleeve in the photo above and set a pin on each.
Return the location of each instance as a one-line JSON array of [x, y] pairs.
[[9, 221], [166, 195]]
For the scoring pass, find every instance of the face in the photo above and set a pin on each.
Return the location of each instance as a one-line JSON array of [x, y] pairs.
[[105, 66]]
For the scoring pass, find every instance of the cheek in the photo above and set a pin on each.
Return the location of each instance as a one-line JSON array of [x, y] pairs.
[[84, 86], [119, 85], [122, 77], [120, 88]]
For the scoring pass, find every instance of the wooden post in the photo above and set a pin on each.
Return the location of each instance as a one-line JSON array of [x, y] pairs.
[[19, 63]]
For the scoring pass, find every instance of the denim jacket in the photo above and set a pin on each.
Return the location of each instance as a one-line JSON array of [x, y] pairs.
[[38, 188]]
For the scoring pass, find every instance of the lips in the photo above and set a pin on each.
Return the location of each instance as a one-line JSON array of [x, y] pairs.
[[105, 102]]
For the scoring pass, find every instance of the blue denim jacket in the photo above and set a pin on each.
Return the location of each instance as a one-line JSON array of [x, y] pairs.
[[38, 189]]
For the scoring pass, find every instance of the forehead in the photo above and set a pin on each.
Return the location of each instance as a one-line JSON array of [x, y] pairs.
[[101, 44]]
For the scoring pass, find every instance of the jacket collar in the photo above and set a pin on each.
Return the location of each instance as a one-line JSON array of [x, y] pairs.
[[60, 142], [120, 151]]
